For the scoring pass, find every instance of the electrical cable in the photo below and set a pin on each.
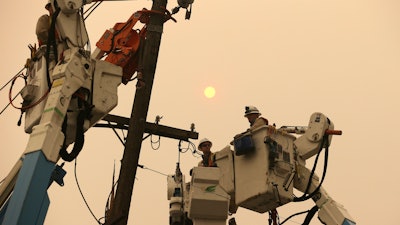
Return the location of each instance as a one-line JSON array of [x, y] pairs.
[[115, 34], [27, 106], [296, 214], [311, 212], [12, 78], [322, 178], [95, 5], [183, 150], [146, 168], [79, 135], [9, 103], [155, 142], [310, 215], [90, 7], [305, 196], [79, 37], [179, 152], [190, 146], [83, 197], [273, 217]]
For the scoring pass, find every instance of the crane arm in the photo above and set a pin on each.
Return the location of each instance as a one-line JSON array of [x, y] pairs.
[[260, 174], [122, 44], [330, 212], [76, 82]]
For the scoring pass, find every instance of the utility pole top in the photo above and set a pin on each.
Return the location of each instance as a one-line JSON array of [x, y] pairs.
[[119, 211]]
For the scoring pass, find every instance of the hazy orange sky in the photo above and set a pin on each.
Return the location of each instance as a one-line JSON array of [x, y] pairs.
[[289, 58]]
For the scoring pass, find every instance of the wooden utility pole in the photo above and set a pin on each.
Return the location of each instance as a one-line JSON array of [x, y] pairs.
[[120, 207]]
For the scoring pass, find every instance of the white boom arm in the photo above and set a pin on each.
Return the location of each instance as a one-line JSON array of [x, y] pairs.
[[69, 68]]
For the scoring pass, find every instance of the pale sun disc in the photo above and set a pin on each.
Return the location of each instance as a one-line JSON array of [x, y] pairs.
[[209, 92]]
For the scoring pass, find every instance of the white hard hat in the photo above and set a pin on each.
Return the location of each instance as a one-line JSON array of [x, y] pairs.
[[204, 140], [251, 110]]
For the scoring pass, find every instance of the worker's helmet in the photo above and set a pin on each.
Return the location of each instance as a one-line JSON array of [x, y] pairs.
[[251, 110], [203, 141]]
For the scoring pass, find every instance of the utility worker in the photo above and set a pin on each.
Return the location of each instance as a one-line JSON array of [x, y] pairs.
[[43, 25], [208, 156], [254, 117]]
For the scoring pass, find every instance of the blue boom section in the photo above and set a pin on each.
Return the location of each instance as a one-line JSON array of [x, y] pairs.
[[348, 222], [29, 201]]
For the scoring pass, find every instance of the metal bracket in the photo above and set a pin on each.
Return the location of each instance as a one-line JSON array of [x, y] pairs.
[[58, 175]]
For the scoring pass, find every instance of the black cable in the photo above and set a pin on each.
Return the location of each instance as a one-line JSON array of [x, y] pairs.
[[12, 79], [146, 137], [310, 215], [115, 33], [155, 142], [296, 214], [313, 170], [95, 5], [323, 174], [195, 152], [183, 150], [79, 138], [9, 103], [322, 178], [83, 197], [189, 147], [52, 43], [305, 196], [179, 152]]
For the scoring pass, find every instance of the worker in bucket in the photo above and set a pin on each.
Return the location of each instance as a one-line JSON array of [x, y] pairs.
[[208, 156], [254, 117], [43, 25]]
